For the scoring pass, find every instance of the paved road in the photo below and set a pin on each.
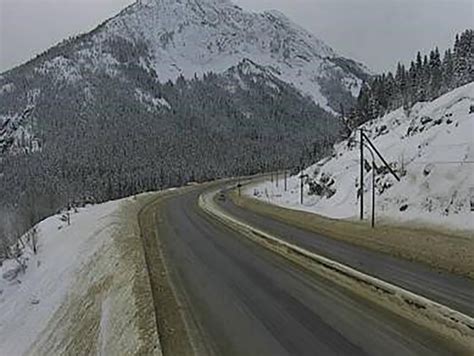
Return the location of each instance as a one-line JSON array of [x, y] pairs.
[[448, 289], [240, 299]]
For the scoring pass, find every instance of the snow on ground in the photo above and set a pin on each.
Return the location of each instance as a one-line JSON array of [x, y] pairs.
[[191, 38], [62, 68], [431, 147], [151, 102], [85, 292], [28, 300]]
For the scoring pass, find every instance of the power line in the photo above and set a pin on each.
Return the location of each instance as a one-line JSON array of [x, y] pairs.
[[444, 162], [453, 144]]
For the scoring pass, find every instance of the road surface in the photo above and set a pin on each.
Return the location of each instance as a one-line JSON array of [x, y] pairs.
[[240, 299], [454, 291]]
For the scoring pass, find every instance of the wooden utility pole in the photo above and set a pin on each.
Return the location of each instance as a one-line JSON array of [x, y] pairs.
[[373, 194], [372, 149], [302, 176], [301, 191], [363, 135], [286, 183], [361, 195]]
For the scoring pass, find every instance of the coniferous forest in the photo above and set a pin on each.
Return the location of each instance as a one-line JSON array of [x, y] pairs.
[[101, 140], [426, 78], [111, 136]]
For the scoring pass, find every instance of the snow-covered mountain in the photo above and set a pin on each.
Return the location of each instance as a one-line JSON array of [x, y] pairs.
[[166, 92], [189, 37], [168, 39], [432, 149]]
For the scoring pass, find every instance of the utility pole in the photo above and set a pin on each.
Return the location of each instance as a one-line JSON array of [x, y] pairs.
[[363, 135], [286, 183], [276, 180], [68, 214], [371, 147], [361, 195], [302, 176], [301, 190], [373, 194], [373, 183]]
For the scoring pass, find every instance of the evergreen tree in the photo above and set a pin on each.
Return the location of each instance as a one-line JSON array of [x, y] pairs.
[[464, 58], [427, 78], [447, 71], [435, 70]]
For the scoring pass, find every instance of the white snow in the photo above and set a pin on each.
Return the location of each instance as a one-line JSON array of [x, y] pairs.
[[436, 153], [7, 88], [194, 37], [20, 133], [29, 300], [152, 103], [97, 60], [62, 68], [104, 326]]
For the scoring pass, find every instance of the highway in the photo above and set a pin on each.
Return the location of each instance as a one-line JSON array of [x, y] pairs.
[[240, 299], [454, 291]]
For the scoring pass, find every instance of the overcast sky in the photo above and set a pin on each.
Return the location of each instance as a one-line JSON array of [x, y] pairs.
[[378, 33]]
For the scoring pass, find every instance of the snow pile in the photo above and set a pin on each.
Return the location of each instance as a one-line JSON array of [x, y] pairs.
[[78, 294], [431, 148]]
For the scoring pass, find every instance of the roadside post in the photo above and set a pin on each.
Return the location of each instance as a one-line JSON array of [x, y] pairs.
[[302, 177]]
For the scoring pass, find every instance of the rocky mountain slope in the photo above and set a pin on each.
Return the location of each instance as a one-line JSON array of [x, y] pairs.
[[432, 149], [166, 39], [164, 93], [196, 36]]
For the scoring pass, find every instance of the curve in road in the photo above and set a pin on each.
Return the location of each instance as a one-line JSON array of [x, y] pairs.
[[451, 290], [240, 299]]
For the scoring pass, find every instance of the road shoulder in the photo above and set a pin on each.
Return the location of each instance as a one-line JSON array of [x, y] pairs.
[[449, 323], [170, 322], [439, 250]]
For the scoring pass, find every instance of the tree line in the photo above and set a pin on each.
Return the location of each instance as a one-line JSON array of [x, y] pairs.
[[101, 141], [427, 77]]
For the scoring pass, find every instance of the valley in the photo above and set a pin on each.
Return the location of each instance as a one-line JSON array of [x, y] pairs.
[[193, 177]]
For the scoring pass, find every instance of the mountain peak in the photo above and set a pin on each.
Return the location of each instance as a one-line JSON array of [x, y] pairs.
[[189, 37], [173, 38], [181, 2]]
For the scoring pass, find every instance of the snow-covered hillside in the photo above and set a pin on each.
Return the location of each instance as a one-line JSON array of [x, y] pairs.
[[68, 283], [431, 148], [29, 299]]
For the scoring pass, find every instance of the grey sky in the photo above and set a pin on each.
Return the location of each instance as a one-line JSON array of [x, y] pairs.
[[376, 32]]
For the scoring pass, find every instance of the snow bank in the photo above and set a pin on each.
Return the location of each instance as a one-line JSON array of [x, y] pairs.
[[431, 147], [28, 301], [75, 295]]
